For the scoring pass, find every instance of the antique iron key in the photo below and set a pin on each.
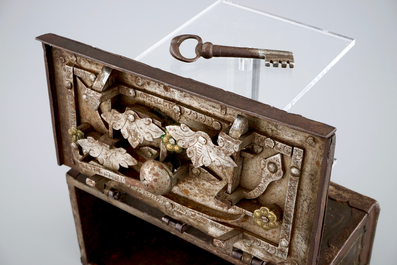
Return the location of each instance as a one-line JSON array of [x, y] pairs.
[[209, 50]]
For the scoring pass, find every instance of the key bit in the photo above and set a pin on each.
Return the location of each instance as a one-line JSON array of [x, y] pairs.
[[209, 50]]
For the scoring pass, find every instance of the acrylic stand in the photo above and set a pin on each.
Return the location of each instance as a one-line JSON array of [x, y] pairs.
[[224, 23]]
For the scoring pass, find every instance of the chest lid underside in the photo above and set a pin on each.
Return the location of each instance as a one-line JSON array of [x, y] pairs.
[[252, 176]]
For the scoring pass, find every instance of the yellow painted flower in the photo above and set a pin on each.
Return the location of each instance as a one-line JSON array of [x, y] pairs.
[[76, 134], [170, 143], [265, 218]]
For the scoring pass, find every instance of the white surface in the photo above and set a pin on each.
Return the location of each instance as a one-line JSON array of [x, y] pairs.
[[357, 96]]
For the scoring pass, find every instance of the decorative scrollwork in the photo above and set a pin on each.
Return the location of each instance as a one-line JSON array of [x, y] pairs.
[[199, 147], [132, 127], [109, 158]]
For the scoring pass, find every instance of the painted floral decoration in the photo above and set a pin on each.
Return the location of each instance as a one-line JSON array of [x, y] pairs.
[[76, 134], [265, 218], [170, 143]]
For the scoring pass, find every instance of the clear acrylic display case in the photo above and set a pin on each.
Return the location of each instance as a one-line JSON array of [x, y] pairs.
[[225, 23]]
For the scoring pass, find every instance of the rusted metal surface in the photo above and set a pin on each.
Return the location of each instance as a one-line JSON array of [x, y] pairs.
[[112, 222], [271, 171], [350, 227], [208, 50], [347, 237], [202, 156]]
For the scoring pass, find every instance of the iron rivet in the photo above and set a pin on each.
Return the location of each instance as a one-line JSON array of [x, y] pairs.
[[310, 140], [295, 172], [258, 149], [272, 167], [168, 206], [248, 242], [85, 97], [269, 143], [177, 109], [217, 125], [284, 243], [139, 81], [196, 171], [131, 117], [68, 84], [218, 243], [132, 92]]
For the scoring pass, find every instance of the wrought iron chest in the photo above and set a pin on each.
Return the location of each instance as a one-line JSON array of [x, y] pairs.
[[236, 177]]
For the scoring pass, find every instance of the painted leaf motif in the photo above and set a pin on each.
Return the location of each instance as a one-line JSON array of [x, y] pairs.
[[109, 158], [132, 127], [115, 119], [199, 147], [183, 134], [90, 146]]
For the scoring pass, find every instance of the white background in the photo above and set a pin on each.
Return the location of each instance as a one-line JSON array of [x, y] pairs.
[[357, 96]]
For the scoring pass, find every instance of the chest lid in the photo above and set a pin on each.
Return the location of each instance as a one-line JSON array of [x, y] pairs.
[[252, 176]]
